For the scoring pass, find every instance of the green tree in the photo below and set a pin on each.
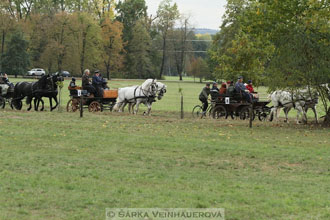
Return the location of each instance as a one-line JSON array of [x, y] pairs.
[[139, 56], [16, 59]]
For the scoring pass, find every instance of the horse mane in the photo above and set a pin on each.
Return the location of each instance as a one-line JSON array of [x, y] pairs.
[[146, 85]]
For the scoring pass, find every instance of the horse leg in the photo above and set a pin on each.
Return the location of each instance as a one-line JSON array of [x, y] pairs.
[[149, 108], [29, 103], [122, 106], [136, 108], [43, 104], [36, 104], [315, 114], [286, 112], [130, 107], [271, 114], [51, 104], [299, 111]]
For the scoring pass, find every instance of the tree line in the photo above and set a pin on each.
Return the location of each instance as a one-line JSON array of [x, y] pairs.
[[119, 38]]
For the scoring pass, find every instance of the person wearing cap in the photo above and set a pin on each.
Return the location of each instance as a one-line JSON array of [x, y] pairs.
[[97, 82], [240, 88], [203, 96], [72, 83], [214, 92], [250, 88]]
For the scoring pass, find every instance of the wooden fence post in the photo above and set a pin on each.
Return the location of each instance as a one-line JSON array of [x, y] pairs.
[[81, 106]]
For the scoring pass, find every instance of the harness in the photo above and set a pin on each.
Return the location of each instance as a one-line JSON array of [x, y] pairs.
[[293, 101]]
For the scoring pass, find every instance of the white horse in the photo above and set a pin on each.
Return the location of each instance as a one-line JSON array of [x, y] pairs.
[[161, 90], [288, 100], [136, 94], [311, 100]]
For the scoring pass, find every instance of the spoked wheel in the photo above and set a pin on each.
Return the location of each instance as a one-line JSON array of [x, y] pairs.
[[2, 102], [197, 111], [262, 116], [244, 113], [219, 112], [17, 104], [73, 105], [95, 106]]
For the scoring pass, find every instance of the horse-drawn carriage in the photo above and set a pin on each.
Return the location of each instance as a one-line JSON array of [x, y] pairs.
[[235, 106], [7, 96], [94, 104]]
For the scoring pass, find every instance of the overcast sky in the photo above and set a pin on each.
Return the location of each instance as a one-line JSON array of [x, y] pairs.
[[204, 13]]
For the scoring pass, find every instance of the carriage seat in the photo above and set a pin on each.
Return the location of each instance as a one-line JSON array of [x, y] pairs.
[[74, 90], [110, 93]]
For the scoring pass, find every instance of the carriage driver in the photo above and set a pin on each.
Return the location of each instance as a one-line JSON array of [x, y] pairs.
[[97, 82], [6, 81], [203, 96], [86, 83]]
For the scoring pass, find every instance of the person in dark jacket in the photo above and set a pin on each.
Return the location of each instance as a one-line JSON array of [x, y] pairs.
[[231, 89], [214, 92], [203, 96], [97, 82], [240, 88], [86, 82], [6, 80]]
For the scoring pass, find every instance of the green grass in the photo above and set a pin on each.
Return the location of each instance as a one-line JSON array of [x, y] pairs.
[[55, 165]]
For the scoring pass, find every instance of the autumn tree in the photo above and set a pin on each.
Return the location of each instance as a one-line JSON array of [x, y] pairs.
[[112, 43], [199, 68], [167, 14]]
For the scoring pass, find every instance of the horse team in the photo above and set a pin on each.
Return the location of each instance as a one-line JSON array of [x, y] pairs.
[[146, 94]]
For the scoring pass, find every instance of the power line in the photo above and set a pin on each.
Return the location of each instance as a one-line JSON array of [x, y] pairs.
[[187, 51]]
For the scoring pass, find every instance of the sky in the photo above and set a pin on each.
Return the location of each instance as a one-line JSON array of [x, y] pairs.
[[204, 13]]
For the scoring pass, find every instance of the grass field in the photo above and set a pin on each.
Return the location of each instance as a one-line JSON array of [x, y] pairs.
[[55, 165]]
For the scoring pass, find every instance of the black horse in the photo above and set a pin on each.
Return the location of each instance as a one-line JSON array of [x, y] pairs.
[[28, 90], [50, 91]]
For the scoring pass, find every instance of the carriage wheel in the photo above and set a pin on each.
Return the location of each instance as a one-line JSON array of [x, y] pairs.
[[262, 116], [95, 106], [219, 112], [2, 102], [244, 113], [16, 104], [73, 105], [197, 111]]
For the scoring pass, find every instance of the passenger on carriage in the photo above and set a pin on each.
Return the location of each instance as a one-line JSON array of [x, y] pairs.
[[231, 89], [73, 83], [97, 82], [223, 89], [86, 82], [240, 88], [214, 92], [250, 88], [6, 80]]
